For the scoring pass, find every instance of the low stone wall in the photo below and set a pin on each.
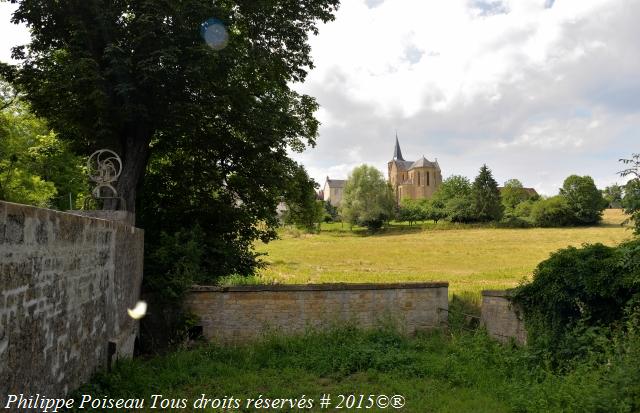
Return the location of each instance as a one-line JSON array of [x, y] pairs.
[[501, 317], [66, 282], [243, 313]]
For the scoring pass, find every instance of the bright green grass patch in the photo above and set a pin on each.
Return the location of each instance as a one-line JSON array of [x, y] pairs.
[[435, 372], [470, 258]]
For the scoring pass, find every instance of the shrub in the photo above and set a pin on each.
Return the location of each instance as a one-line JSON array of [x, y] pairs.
[[578, 291], [511, 221], [523, 209], [551, 212], [461, 209]]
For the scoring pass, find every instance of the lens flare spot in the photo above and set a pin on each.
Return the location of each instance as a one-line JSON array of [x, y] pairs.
[[138, 311], [214, 34]]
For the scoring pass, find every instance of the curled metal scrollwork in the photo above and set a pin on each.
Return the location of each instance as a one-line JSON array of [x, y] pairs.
[[104, 168]]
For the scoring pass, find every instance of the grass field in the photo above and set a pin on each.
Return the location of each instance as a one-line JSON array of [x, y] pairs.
[[470, 258]]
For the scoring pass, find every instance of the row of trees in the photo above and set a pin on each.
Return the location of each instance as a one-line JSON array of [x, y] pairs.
[[458, 200], [369, 201]]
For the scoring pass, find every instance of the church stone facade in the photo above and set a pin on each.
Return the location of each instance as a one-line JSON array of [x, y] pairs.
[[413, 180]]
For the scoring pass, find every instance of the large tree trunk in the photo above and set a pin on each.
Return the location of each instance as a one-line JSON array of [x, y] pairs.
[[135, 155]]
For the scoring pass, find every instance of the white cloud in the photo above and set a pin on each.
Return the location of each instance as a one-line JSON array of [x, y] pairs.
[[536, 89], [480, 81]]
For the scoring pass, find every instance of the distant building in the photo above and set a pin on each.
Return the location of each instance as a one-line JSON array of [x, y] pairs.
[[413, 180], [333, 190]]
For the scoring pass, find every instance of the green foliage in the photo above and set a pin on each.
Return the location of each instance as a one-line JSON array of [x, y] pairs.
[[457, 372], [368, 198], [461, 209], [613, 195], [584, 200], [631, 200], [453, 187], [412, 210], [175, 262], [486, 197], [137, 77], [513, 221], [303, 208], [36, 168], [232, 213], [210, 131], [453, 200], [523, 209], [578, 291], [435, 210], [330, 212], [513, 194], [551, 212]]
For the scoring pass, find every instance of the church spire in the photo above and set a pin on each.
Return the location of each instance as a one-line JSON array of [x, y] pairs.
[[397, 153]]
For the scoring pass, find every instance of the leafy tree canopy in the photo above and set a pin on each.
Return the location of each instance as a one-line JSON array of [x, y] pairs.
[[583, 199], [551, 212], [368, 199], [452, 187], [303, 207], [613, 195], [631, 200], [209, 129], [137, 75], [513, 193], [36, 168]]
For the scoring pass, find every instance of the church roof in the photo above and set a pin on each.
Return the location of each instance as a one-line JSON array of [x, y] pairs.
[[397, 153], [336, 183], [403, 165], [424, 163]]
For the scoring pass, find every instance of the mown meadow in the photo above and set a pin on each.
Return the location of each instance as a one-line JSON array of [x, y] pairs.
[[471, 258]]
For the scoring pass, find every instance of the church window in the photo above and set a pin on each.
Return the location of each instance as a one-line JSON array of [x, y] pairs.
[[427, 178], [418, 178]]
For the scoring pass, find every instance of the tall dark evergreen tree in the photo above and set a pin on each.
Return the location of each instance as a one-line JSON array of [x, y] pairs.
[[486, 196]]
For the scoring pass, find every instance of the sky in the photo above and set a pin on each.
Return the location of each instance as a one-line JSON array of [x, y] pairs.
[[536, 89]]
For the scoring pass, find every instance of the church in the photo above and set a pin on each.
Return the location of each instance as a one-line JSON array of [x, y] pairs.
[[413, 180]]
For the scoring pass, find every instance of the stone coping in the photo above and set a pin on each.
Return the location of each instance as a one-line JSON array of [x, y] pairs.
[[317, 287], [499, 293], [125, 218]]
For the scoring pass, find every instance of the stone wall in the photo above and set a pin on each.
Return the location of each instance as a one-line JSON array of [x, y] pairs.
[[66, 282], [501, 317], [238, 314]]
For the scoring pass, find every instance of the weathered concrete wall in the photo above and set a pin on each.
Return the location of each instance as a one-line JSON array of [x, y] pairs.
[[501, 317], [66, 282], [237, 314]]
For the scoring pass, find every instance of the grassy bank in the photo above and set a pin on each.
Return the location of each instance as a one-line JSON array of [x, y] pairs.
[[436, 372], [470, 258]]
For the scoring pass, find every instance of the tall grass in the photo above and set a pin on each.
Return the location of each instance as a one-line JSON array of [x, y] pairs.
[[436, 372]]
